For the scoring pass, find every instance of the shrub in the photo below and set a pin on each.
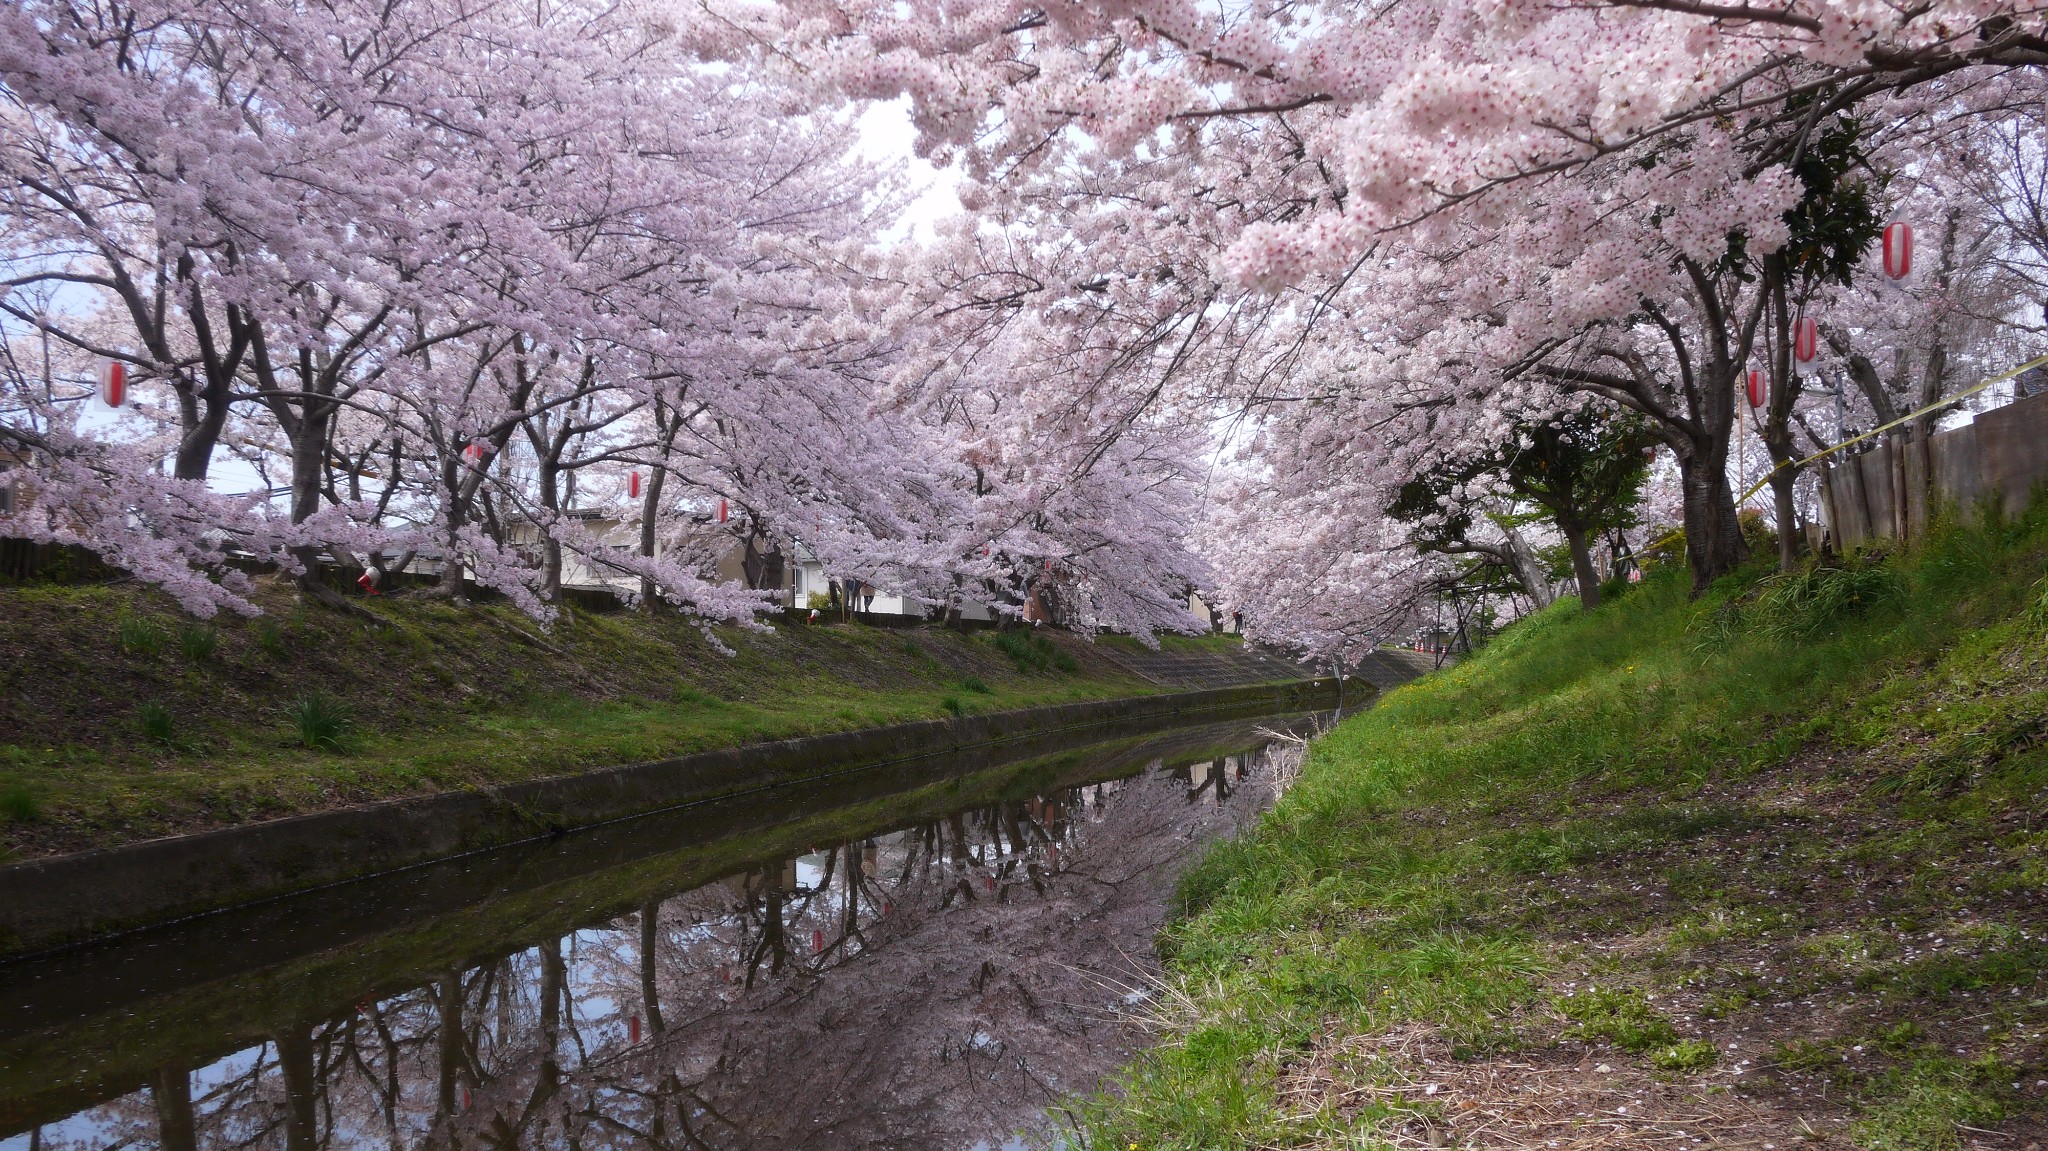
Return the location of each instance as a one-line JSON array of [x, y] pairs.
[[1623, 1018], [141, 635], [1689, 1055], [1715, 628], [1812, 601], [155, 721], [19, 804], [975, 683], [322, 722], [952, 704], [271, 640], [1032, 653], [198, 641]]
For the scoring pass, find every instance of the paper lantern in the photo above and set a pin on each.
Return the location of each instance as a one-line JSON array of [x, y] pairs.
[[1805, 339], [368, 582], [632, 485], [1898, 250], [113, 383], [1756, 388], [723, 512], [474, 453], [817, 941], [633, 1029]]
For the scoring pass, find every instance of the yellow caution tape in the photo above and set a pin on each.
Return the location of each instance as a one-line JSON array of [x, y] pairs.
[[1937, 405]]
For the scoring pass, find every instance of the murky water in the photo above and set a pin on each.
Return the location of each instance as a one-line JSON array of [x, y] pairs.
[[881, 961]]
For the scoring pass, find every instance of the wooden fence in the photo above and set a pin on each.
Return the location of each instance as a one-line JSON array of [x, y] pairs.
[[1889, 491], [22, 561]]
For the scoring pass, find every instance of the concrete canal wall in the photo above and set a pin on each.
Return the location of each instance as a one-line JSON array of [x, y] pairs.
[[52, 902]]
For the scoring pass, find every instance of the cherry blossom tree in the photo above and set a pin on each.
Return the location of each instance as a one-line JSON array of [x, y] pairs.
[[440, 251], [1489, 205]]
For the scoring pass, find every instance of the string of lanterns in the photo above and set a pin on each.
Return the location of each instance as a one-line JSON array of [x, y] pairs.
[[113, 392], [634, 488], [1898, 264]]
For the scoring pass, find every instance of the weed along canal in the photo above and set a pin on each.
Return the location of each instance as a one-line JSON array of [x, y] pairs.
[[929, 955]]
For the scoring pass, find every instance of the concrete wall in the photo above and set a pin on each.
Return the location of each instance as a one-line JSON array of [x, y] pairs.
[[2001, 457], [51, 902]]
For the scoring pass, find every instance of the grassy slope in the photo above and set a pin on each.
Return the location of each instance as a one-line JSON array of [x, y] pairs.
[[1752, 867], [440, 698]]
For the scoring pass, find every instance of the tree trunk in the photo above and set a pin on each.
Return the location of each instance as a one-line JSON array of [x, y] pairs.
[[1788, 518], [195, 454], [650, 992], [309, 457], [551, 548], [1713, 535], [1777, 425], [451, 573], [1530, 572], [1931, 381], [650, 503], [295, 1059], [1582, 566], [451, 558], [309, 453], [171, 1091], [760, 559], [202, 413], [448, 997]]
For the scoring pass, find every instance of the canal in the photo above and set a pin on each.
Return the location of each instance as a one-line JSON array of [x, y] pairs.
[[930, 955]]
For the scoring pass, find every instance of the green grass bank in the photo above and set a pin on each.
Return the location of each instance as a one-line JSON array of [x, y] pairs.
[[1762, 869], [122, 720]]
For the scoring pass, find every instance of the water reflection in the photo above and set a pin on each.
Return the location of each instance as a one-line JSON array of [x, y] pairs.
[[932, 985]]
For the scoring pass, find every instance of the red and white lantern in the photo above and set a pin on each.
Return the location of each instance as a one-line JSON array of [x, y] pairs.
[[632, 485], [1805, 339], [723, 511], [113, 383], [474, 453], [1898, 250], [1756, 388], [368, 582]]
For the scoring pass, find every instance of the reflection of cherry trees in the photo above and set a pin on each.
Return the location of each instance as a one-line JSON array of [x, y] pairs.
[[926, 987]]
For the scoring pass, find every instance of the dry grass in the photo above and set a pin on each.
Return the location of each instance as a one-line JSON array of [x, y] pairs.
[[1556, 1099]]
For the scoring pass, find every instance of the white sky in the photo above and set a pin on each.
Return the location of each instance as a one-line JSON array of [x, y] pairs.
[[886, 134]]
